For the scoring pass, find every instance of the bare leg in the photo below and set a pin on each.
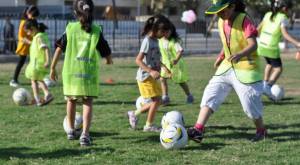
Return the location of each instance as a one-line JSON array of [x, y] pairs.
[[204, 115], [275, 75], [145, 107], [35, 90], [153, 108], [268, 71], [71, 110], [164, 86], [44, 88], [185, 88], [87, 115], [259, 124]]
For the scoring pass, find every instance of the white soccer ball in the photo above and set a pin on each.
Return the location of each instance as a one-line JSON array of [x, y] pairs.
[[140, 102], [174, 136], [173, 117], [77, 124], [49, 82], [22, 97], [278, 92]]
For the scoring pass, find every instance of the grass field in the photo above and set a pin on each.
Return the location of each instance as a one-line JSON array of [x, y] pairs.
[[34, 135]]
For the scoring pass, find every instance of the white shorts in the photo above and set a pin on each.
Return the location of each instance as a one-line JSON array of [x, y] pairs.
[[249, 94]]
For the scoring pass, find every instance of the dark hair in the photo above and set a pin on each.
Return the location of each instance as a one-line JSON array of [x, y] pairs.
[[174, 35], [31, 9], [155, 23], [277, 5], [83, 10], [33, 23], [239, 6]]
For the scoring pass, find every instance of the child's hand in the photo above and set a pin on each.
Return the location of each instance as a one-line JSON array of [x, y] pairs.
[[235, 58], [175, 62], [154, 74], [46, 65], [53, 75]]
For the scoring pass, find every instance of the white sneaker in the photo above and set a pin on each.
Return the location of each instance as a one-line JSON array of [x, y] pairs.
[[267, 91], [151, 128], [13, 83]]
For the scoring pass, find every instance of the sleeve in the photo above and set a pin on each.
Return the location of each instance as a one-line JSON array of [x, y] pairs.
[[103, 47], [145, 46], [42, 44], [62, 42], [285, 22], [178, 47], [249, 28], [21, 32]]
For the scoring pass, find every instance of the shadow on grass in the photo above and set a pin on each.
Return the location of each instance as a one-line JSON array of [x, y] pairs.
[[284, 101], [205, 146], [100, 102], [22, 152], [137, 139], [102, 134]]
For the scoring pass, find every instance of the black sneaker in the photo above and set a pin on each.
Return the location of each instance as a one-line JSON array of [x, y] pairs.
[[71, 135], [195, 134], [259, 136], [85, 140]]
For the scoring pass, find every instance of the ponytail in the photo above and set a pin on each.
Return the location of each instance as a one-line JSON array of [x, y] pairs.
[[42, 27], [277, 5], [84, 12]]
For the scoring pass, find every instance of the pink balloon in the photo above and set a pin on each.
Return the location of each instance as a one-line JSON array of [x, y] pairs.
[[188, 16]]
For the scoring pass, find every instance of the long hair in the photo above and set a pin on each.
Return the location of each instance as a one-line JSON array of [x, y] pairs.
[[277, 5], [155, 23], [32, 23], [83, 10], [32, 9], [174, 35]]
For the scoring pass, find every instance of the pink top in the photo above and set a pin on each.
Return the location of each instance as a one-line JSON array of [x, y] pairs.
[[248, 28]]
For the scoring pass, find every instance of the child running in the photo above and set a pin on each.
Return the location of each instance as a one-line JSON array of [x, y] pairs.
[[171, 52], [38, 66], [83, 43], [238, 71], [31, 12], [273, 26], [149, 62]]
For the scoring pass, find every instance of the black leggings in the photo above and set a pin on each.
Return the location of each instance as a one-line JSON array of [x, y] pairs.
[[22, 60]]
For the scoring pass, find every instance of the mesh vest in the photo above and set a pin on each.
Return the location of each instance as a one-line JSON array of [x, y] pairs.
[[179, 73], [81, 65], [270, 36], [247, 69]]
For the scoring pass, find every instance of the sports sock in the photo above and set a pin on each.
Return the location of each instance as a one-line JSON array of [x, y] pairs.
[[137, 112], [199, 127], [148, 124]]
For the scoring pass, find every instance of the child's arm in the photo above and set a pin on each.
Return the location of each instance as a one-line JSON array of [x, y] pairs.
[[259, 27], [288, 37], [251, 47], [164, 67], [179, 51], [56, 56], [139, 61], [219, 60], [47, 54]]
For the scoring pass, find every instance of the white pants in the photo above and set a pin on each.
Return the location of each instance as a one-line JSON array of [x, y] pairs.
[[249, 94]]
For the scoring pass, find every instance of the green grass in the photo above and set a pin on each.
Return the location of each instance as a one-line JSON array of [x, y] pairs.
[[33, 135]]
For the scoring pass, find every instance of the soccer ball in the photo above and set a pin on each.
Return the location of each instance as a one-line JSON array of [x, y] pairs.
[[278, 92], [173, 117], [140, 101], [77, 124], [174, 136], [49, 82], [22, 97]]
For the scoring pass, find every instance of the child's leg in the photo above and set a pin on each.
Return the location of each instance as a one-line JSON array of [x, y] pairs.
[[268, 70], [164, 86], [275, 75], [71, 111], [185, 88], [35, 90], [87, 115], [152, 110], [44, 87]]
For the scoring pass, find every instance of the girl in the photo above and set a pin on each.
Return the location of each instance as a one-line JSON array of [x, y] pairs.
[[239, 70], [31, 12], [38, 66], [148, 73], [273, 26], [82, 43], [171, 51]]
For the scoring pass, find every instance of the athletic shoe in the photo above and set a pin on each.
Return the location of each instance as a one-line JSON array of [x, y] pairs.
[[190, 99], [195, 134], [48, 99], [14, 83], [71, 135], [85, 140], [151, 128], [259, 136], [133, 120], [267, 91], [165, 100]]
